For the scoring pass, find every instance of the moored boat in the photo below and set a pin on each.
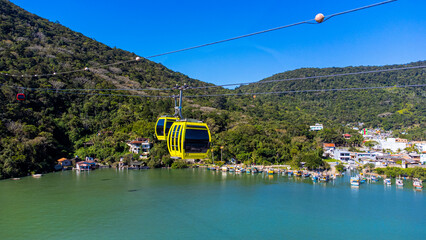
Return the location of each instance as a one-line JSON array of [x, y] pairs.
[[324, 178], [37, 175], [355, 181], [387, 181], [399, 183], [417, 183]]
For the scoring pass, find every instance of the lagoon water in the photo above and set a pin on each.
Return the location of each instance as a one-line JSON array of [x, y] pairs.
[[201, 204]]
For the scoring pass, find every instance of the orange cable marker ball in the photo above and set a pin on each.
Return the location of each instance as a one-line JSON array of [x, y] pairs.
[[319, 18]]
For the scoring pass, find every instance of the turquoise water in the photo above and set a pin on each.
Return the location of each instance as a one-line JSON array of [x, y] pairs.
[[201, 204]]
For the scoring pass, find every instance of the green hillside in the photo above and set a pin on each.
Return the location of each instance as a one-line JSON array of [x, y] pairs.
[[267, 129]]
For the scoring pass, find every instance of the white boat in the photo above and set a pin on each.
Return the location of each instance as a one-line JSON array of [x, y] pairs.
[[399, 182], [37, 175], [387, 181], [417, 183], [354, 181]]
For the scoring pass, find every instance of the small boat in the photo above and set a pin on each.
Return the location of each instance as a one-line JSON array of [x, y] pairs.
[[355, 181], [231, 169], [290, 173], [387, 181], [306, 174], [254, 170], [374, 179], [324, 178], [314, 178], [15, 178], [37, 175], [417, 183], [297, 173], [270, 171], [399, 183], [224, 169], [248, 170]]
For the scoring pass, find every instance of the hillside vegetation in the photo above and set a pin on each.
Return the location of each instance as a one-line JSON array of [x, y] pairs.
[[267, 129]]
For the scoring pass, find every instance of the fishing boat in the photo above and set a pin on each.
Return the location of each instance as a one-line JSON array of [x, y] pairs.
[[355, 181], [417, 183], [387, 181], [297, 173], [324, 178]]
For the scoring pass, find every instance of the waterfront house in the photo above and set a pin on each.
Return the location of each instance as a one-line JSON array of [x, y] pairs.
[[140, 146], [135, 165], [86, 165], [316, 127], [64, 162], [82, 165]]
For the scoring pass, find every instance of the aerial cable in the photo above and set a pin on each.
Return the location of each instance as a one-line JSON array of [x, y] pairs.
[[246, 93], [311, 21], [303, 91], [224, 85], [313, 77]]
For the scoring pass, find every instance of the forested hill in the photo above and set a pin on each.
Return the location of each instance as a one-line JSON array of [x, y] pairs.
[[391, 109], [49, 125]]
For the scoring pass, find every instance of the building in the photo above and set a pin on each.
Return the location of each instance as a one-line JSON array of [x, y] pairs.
[[365, 155], [140, 146], [420, 145], [392, 144], [342, 155], [347, 136], [423, 158], [316, 127], [328, 146], [64, 162]]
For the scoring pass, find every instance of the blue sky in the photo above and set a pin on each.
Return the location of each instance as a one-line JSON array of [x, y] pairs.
[[389, 34]]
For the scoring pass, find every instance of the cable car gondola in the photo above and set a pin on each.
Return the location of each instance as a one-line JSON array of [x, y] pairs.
[[163, 125], [188, 139], [20, 96]]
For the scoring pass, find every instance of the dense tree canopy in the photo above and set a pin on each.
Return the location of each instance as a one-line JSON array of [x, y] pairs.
[[267, 129]]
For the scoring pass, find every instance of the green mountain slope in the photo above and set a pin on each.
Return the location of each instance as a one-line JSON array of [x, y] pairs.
[[394, 108], [266, 129]]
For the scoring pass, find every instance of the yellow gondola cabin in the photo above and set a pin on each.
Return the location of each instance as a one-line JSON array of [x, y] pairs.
[[188, 140], [163, 125]]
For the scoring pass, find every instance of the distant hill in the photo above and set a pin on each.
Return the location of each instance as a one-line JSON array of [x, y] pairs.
[[49, 125], [395, 108]]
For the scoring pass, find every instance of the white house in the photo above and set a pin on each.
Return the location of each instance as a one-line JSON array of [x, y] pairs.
[[392, 144], [342, 155], [423, 158], [316, 127], [140, 146]]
